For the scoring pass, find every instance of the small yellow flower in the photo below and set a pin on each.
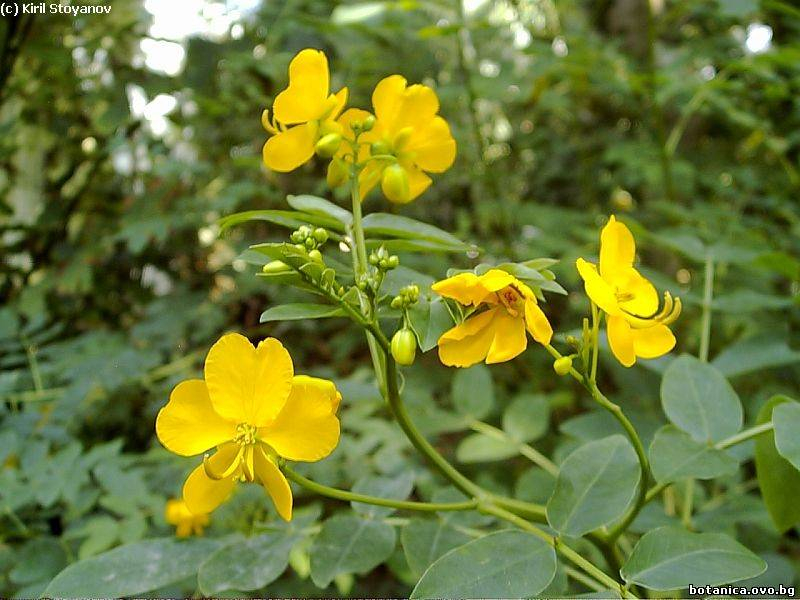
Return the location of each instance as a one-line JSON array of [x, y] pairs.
[[253, 409], [186, 523], [410, 133], [304, 114], [498, 333], [636, 325]]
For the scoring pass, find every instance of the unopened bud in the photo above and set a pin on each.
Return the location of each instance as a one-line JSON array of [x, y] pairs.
[[321, 235], [316, 256], [310, 243], [404, 346], [368, 123], [328, 145], [562, 365], [276, 266], [393, 262], [394, 184], [379, 148], [337, 173]]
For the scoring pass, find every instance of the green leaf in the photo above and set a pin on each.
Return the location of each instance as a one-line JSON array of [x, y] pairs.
[[403, 227], [746, 300], [396, 488], [596, 484], [38, 560], [300, 310], [132, 570], [320, 206], [350, 544], [478, 447], [473, 392], [247, 564], [527, 418], [285, 218], [429, 321], [674, 455], [670, 558], [765, 351], [697, 398], [505, 564], [778, 479], [425, 540], [786, 419]]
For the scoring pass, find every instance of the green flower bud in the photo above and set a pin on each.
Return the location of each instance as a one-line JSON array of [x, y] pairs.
[[368, 123], [316, 256], [394, 184], [327, 145], [562, 365], [393, 261], [397, 302], [276, 266], [321, 235], [373, 259], [404, 347], [379, 148]]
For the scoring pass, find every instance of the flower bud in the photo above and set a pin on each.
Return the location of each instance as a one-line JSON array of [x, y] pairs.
[[562, 365], [321, 235], [328, 145], [394, 184], [276, 266], [404, 346], [380, 147], [315, 255], [392, 262], [310, 243], [337, 173], [368, 123]]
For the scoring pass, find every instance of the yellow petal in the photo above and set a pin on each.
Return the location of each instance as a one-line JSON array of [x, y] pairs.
[[653, 342], [291, 148], [188, 424], [346, 120], [468, 343], [274, 483], [398, 106], [510, 339], [495, 280], [433, 147], [307, 428], [304, 99], [464, 288], [369, 177], [387, 96], [175, 511], [600, 292], [537, 323], [644, 297], [325, 385], [620, 338], [617, 248], [338, 103], [248, 385], [203, 494]]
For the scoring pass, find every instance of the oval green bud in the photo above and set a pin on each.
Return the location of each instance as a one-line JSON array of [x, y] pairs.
[[394, 184], [321, 235], [276, 266], [368, 123], [393, 261], [562, 365], [328, 145], [404, 347], [315, 255], [379, 148]]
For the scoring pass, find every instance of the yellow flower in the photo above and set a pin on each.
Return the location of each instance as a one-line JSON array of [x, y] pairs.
[[253, 409], [636, 325], [408, 128], [304, 113], [186, 523], [498, 333]]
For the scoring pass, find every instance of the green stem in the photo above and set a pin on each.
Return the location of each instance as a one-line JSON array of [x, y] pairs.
[[595, 340], [688, 501], [559, 546], [337, 494], [524, 449], [708, 296]]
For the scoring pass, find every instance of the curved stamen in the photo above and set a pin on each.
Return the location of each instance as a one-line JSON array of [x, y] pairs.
[[212, 474], [668, 314]]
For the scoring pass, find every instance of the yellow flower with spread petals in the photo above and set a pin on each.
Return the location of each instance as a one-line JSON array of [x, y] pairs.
[[253, 410], [303, 114], [498, 333], [413, 137], [637, 325], [186, 522]]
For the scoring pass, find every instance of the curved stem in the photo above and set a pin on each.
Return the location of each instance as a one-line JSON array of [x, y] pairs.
[[337, 494], [560, 547], [526, 450]]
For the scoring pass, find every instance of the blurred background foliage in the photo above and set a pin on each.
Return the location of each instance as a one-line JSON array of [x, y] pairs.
[[126, 137]]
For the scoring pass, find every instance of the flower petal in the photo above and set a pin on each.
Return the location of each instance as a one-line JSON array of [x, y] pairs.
[[600, 292], [644, 297], [433, 146], [248, 385], [617, 248], [325, 385], [620, 338], [653, 342], [418, 182], [289, 149], [510, 339], [468, 343], [309, 81], [386, 97], [495, 280], [274, 483], [537, 323], [398, 106], [307, 428], [188, 424], [203, 494]]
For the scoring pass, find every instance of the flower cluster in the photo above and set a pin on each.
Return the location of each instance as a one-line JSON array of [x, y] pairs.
[[396, 147]]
